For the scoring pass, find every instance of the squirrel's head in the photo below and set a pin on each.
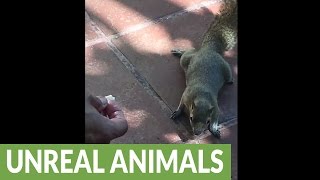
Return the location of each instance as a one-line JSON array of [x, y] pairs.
[[202, 112]]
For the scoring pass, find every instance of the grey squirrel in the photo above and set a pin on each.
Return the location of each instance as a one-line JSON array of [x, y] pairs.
[[207, 72]]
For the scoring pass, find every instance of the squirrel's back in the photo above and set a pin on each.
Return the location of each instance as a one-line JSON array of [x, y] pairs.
[[207, 70], [222, 33]]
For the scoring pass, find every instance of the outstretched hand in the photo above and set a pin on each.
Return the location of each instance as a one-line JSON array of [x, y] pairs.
[[104, 118]]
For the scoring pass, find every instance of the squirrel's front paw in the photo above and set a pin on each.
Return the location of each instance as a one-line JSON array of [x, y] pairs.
[[214, 129], [216, 133], [177, 52], [175, 114]]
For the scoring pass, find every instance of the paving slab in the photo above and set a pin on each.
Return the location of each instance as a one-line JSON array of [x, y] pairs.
[[114, 16], [228, 97], [89, 29], [149, 50], [229, 136], [106, 75]]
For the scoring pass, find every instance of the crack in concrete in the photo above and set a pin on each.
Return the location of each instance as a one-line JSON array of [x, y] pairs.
[[163, 18], [148, 23], [181, 130], [140, 78]]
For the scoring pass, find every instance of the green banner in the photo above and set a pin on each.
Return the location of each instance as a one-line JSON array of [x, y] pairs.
[[116, 161]]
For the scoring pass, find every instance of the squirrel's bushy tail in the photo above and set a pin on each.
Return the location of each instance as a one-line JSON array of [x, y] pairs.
[[223, 31]]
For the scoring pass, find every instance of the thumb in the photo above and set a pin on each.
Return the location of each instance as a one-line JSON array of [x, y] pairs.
[[98, 102]]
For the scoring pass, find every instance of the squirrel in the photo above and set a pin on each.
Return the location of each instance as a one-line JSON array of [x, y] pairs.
[[207, 72]]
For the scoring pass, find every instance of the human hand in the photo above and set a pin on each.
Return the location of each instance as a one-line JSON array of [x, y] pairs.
[[104, 120]]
